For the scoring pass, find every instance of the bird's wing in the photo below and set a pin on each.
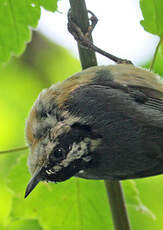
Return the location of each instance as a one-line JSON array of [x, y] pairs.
[[117, 102]]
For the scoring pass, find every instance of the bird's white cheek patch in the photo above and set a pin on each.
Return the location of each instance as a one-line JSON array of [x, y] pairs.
[[78, 151]]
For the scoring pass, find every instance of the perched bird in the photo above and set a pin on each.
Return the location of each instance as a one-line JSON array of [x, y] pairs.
[[105, 122]]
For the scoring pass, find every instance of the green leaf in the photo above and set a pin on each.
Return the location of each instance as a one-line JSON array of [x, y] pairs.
[[6, 204], [76, 203], [152, 11], [24, 225], [50, 5], [161, 48], [134, 200], [16, 18]]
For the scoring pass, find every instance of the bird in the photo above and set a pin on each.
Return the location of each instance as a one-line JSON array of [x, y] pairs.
[[105, 122]]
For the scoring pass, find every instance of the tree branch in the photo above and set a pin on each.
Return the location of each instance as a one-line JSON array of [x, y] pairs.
[[117, 205], [87, 59], [80, 15]]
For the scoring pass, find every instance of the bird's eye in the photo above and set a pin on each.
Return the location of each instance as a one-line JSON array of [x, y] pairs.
[[57, 154]]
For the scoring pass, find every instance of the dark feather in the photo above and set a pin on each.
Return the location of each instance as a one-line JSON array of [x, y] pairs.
[[130, 121]]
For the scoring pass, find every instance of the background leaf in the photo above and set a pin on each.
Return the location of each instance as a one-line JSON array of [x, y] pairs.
[[59, 206], [161, 47], [152, 11], [133, 198], [24, 225], [16, 18]]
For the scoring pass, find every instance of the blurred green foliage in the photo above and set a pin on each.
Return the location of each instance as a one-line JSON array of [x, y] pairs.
[[75, 204]]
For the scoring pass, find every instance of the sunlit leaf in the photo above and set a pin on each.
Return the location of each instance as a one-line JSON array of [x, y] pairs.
[[6, 204], [76, 203], [16, 18], [152, 12], [161, 48], [24, 225], [134, 200]]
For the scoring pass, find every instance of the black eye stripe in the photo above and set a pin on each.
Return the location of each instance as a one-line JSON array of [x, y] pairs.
[[57, 154], [77, 133]]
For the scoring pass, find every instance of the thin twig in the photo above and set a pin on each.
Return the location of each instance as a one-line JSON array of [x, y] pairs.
[[13, 150], [114, 190], [84, 39]]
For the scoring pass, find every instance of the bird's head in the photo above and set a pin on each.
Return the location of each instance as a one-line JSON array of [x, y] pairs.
[[61, 144]]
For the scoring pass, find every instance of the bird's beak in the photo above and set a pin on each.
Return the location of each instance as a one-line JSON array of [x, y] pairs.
[[33, 182]]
